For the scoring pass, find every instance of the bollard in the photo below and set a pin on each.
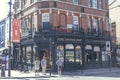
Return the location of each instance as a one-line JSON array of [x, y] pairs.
[[3, 70]]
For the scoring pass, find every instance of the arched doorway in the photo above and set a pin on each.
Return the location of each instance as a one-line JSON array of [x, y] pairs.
[[92, 56]]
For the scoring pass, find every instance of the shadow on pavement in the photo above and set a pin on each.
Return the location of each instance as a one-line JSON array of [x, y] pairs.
[[114, 72]]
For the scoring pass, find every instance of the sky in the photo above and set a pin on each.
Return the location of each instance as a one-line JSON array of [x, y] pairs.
[[4, 8]]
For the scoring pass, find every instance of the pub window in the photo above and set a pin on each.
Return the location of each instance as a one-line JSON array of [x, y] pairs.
[[24, 2], [28, 55], [107, 25], [31, 1], [17, 4], [89, 3], [100, 4], [95, 26], [75, 2], [94, 4], [89, 25], [46, 21], [69, 53], [27, 21], [101, 26], [32, 22], [88, 57], [96, 56], [104, 56], [75, 24]]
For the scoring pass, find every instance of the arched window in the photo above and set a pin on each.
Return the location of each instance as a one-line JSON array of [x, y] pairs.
[[69, 46], [69, 53]]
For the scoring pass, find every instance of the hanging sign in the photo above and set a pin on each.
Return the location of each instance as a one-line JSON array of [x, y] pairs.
[[15, 30]]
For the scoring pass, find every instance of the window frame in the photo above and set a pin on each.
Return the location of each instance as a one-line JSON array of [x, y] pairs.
[[89, 3], [89, 24], [76, 2], [95, 25], [100, 4], [75, 22], [32, 1], [94, 4]]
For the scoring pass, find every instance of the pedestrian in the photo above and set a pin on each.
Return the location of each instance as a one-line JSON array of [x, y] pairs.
[[59, 63], [37, 66], [43, 65]]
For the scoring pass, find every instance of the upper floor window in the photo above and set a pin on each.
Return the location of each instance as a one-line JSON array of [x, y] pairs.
[[108, 24], [101, 26], [95, 26], [16, 4], [46, 22], [24, 2], [89, 3], [31, 1], [89, 25], [75, 2], [100, 4], [94, 4], [75, 23], [97, 4], [32, 27]]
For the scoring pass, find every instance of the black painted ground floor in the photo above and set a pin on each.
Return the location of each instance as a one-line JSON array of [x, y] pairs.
[[77, 52]]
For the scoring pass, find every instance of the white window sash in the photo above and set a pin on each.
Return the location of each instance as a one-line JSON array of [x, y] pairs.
[[89, 3], [95, 25], [89, 24], [75, 2], [100, 4], [94, 3]]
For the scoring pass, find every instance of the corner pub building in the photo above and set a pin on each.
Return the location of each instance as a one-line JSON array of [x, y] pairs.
[[76, 30]]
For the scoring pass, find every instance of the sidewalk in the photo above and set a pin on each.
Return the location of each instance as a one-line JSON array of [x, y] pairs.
[[18, 74], [89, 72]]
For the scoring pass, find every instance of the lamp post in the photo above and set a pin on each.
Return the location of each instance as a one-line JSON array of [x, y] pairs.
[[9, 65]]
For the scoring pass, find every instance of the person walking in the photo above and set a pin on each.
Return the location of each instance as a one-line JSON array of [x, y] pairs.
[[59, 63], [43, 65], [37, 66]]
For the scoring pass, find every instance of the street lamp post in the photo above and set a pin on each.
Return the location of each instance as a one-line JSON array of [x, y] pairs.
[[9, 65]]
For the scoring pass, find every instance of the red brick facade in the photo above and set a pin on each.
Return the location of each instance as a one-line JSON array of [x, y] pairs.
[[68, 24], [62, 12]]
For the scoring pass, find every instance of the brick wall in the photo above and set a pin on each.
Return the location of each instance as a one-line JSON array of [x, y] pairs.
[[62, 13]]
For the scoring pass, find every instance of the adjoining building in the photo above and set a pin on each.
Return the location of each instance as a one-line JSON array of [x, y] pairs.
[[2, 35], [4, 31], [114, 10], [77, 30]]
